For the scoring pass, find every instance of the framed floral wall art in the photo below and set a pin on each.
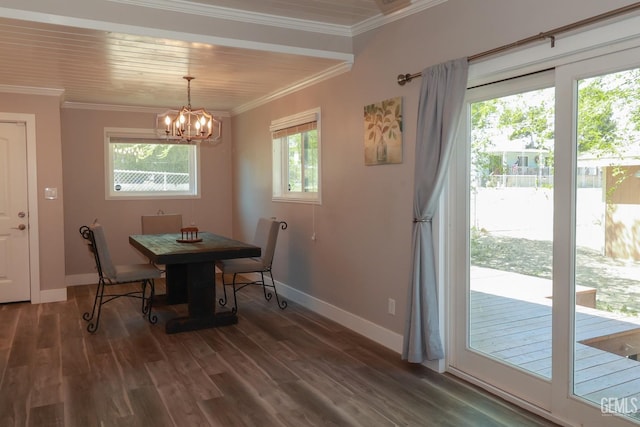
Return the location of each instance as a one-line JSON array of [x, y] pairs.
[[383, 132]]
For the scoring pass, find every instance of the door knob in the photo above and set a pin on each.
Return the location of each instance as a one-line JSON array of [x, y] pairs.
[[20, 227]]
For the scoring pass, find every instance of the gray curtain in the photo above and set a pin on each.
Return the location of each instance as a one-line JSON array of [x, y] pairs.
[[441, 99]]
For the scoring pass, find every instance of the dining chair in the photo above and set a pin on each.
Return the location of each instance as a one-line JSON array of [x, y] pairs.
[[111, 274], [266, 236], [161, 223]]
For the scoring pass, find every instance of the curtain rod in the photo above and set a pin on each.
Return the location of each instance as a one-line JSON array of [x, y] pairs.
[[551, 34]]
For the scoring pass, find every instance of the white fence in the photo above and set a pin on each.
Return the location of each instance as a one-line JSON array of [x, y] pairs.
[[129, 180]]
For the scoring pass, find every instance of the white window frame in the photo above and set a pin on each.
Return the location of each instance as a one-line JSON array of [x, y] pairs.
[[280, 188], [148, 136]]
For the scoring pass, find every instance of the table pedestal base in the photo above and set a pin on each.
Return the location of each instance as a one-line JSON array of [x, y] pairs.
[[195, 284], [191, 275]]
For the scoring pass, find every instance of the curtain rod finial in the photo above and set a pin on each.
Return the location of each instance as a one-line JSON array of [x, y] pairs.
[[403, 79]]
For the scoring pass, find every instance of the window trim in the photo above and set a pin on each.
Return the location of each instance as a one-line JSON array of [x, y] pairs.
[[149, 136], [279, 158]]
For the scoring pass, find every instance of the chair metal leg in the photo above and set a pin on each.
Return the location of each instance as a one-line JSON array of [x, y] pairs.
[[223, 301], [282, 304], [235, 300], [88, 316], [147, 302], [97, 303], [237, 287], [267, 295], [93, 317]]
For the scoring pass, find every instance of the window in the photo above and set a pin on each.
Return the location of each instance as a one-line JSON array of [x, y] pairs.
[[296, 157], [139, 166]]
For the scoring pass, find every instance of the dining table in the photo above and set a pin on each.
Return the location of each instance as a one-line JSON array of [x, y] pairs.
[[190, 274]]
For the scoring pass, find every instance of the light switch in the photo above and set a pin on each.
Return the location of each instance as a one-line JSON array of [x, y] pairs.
[[51, 193]]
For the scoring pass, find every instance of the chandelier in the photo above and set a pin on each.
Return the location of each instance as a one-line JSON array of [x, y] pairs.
[[188, 124]]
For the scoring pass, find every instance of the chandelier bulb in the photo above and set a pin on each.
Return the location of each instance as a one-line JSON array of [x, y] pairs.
[[188, 124]]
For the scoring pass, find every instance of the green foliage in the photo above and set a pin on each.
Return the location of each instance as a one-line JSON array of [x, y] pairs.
[[528, 121], [608, 120], [483, 116], [597, 129], [151, 157], [629, 96], [302, 153]]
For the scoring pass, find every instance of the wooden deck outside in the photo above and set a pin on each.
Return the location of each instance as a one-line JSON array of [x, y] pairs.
[[515, 326]]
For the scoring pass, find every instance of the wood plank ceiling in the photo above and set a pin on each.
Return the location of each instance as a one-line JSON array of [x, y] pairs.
[[93, 66]]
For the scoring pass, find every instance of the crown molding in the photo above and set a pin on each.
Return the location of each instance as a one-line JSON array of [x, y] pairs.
[[325, 75], [93, 24], [302, 84], [225, 13], [184, 6], [127, 108], [380, 20], [189, 7], [28, 90], [110, 107]]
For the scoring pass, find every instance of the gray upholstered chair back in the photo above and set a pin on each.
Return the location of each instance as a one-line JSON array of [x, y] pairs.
[[161, 224], [266, 237], [108, 268]]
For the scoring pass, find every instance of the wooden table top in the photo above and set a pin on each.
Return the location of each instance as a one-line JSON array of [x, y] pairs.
[[165, 248]]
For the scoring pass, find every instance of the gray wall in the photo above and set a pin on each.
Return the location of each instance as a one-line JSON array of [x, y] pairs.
[[362, 253], [84, 200]]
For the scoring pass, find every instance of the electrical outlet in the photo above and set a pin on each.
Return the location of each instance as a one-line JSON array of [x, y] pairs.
[[392, 306]]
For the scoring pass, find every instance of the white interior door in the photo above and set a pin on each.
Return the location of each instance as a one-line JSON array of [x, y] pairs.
[[14, 215]]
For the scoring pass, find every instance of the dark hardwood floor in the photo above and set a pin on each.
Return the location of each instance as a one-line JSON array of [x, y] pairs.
[[274, 368]]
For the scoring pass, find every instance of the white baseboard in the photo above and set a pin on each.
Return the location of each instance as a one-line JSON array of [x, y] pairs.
[[82, 279], [53, 295], [377, 333]]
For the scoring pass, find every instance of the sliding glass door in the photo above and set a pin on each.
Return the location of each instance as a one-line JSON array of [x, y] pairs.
[[545, 242], [606, 248], [507, 163], [511, 228]]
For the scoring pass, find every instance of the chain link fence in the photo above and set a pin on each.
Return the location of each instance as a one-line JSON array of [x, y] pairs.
[[147, 181]]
